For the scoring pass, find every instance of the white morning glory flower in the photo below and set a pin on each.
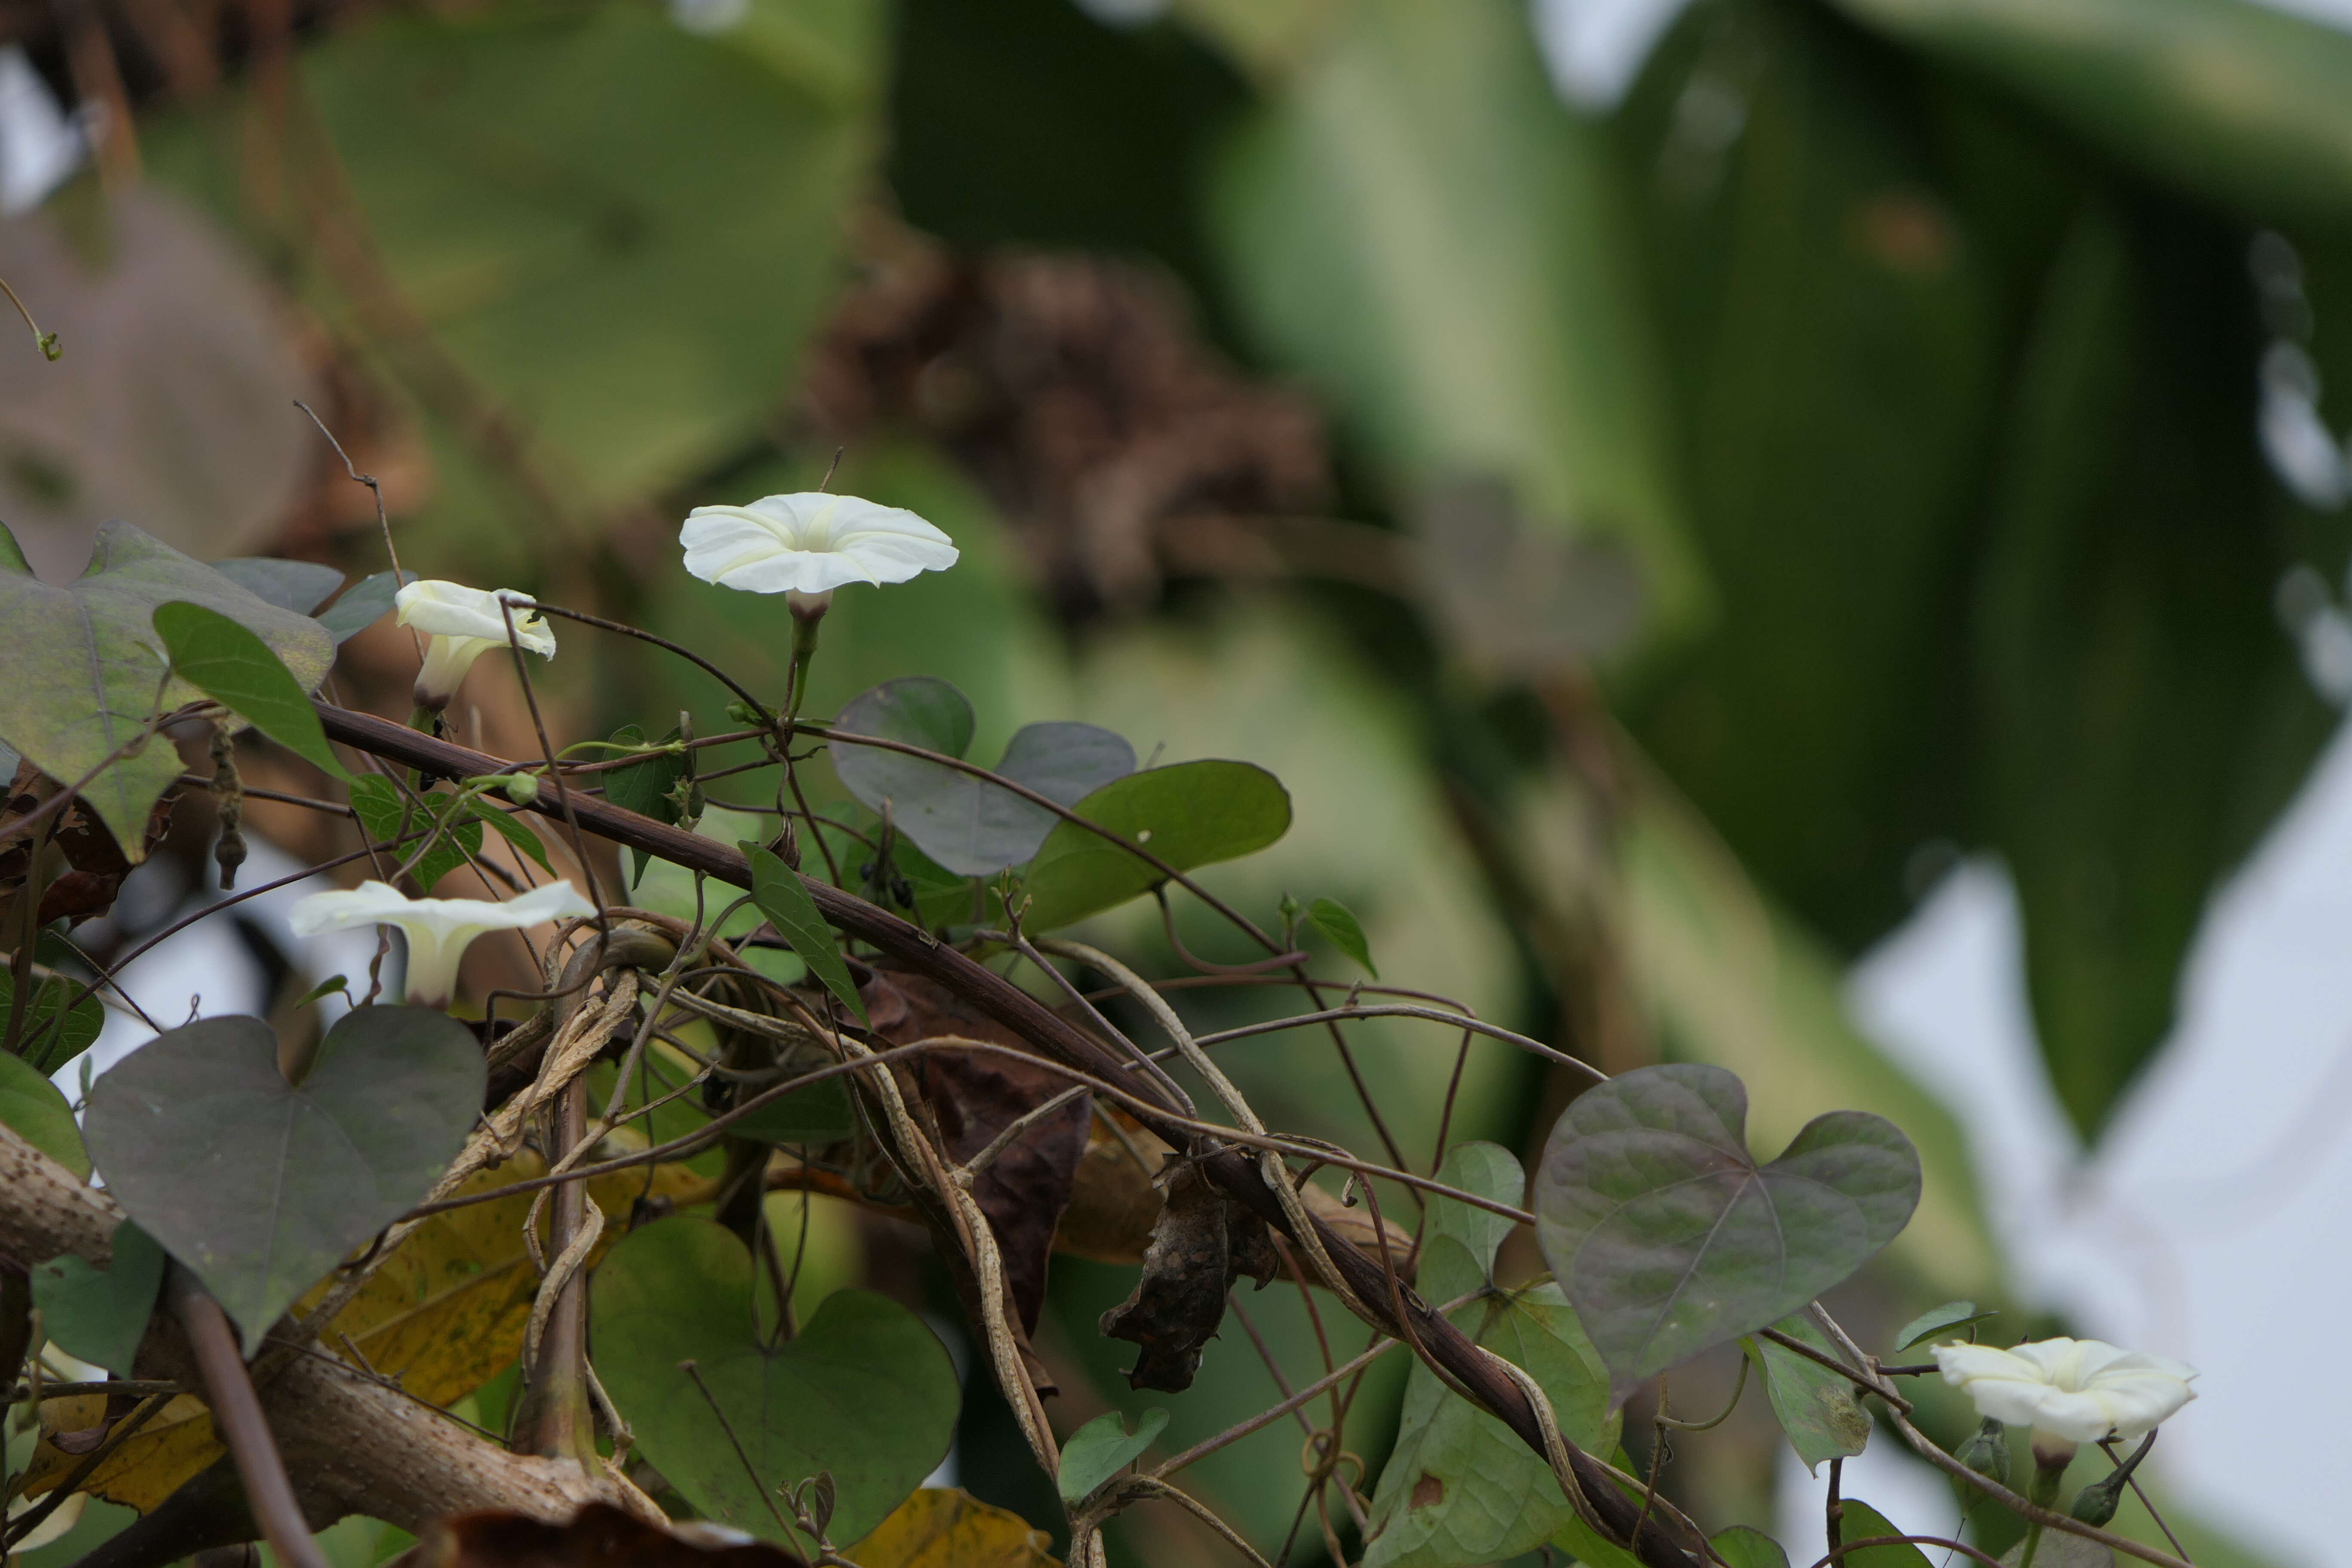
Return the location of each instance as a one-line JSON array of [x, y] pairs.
[[464, 624], [438, 929], [2069, 1391], [812, 542]]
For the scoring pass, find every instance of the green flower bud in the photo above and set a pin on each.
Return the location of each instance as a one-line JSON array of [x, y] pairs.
[[2095, 1504], [1987, 1452], [744, 713], [522, 788]]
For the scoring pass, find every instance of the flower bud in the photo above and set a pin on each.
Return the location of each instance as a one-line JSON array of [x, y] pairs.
[[744, 713], [1987, 1451], [2095, 1504], [522, 788]]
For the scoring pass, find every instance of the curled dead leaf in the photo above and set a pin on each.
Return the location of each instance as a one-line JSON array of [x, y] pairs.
[[598, 1536]]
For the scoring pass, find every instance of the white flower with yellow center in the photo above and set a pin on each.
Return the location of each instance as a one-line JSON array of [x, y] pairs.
[[2069, 1391], [812, 542], [464, 624], [438, 929]]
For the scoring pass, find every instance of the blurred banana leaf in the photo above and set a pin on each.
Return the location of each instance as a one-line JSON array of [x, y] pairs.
[[2240, 102], [585, 235], [1412, 222]]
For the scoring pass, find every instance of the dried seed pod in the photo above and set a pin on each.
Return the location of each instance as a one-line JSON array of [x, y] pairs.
[[228, 801]]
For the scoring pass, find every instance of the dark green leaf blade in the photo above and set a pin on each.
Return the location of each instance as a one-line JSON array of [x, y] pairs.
[[645, 786], [1864, 1522], [1671, 1239], [260, 1187], [366, 602], [865, 1390], [810, 1116], [1188, 814], [1459, 1485], [512, 828], [101, 1314], [777, 888], [1816, 1406], [35, 1111], [1338, 923], [300, 586], [1940, 1320], [236, 669], [1102, 1448]]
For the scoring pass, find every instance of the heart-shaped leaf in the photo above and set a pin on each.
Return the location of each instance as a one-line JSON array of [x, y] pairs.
[[362, 605], [1670, 1238], [300, 586], [1460, 1486], [1189, 814], [84, 663], [865, 1391], [236, 669], [101, 1314], [1815, 1406], [1102, 1448], [261, 1186], [968, 825], [32, 1108]]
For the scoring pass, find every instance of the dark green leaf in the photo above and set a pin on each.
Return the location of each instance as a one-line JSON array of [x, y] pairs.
[[300, 586], [33, 1107], [365, 603], [260, 1187], [1743, 1547], [1460, 1486], [1102, 1447], [1862, 1522], [1189, 814], [101, 1314], [385, 815], [236, 669], [777, 888], [1671, 1239], [84, 664], [2242, 103], [1816, 1407], [819, 1114], [513, 829], [1419, 226], [1939, 1320], [1338, 923], [967, 824], [645, 787], [865, 1391], [50, 1042]]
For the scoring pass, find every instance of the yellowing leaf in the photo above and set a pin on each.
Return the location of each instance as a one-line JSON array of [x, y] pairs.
[[153, 1463], [947, 1527]]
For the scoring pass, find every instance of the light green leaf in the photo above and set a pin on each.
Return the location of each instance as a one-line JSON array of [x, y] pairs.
[[85, 664], [1102, 1448], [101, 1314], [1862, 1522], [1816, 1407], [1743, 1547], [865, 1390], [236, 669], [1939, 1321], [35, 1111], [385, 815], [1460, 1486], [1336, 921], [1188, 814], [1417, 225], [777, 888]]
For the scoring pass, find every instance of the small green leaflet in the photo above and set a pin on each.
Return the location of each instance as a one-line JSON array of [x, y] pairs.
[[1338, 923], [236, 669], [1102, 1448], [101, 1314], [1744, 1547], [329, 986], [1815, 1406], [33, 1107], [776, 888], [1939, 1321], [385, 814]]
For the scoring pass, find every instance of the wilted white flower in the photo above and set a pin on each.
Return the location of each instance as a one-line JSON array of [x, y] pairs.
[[464, 624], [438, 929], [2069, 1391], [812, 542]]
